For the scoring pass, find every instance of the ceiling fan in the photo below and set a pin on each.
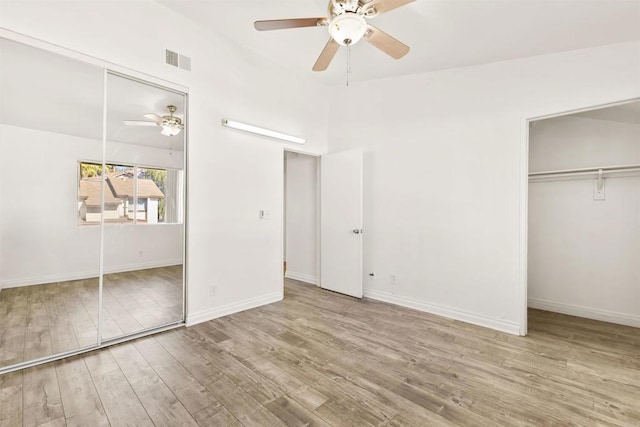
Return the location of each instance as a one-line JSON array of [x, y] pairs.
[[171, 125], [347, 24]]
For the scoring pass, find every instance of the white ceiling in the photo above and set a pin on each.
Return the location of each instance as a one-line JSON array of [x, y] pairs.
[[48, 92], [441, 33], [625, 113], [44, 91]]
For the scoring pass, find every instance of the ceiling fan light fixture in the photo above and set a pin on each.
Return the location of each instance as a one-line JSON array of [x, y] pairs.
[[170, 129], [348, 28]]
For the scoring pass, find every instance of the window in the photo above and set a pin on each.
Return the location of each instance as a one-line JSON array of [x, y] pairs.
[[133, 194]]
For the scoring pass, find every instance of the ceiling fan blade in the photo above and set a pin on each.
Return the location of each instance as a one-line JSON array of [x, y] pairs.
[[139, 123], [383, 6], [156, 118], [281, 24], [327, 55], [383, 41]]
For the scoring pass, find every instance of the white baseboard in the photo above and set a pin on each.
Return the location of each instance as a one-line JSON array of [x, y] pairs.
[[41, 280], [475, 319], [236, 307], [588, 313], [307, 278]]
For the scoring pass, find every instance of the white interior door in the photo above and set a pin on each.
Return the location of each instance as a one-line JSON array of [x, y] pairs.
[[341, 222]]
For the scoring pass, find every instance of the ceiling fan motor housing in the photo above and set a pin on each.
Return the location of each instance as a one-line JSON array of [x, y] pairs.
[[348, 28]]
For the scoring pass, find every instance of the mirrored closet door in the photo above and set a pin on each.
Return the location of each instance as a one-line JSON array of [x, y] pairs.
[[143, 232], [91, 206]]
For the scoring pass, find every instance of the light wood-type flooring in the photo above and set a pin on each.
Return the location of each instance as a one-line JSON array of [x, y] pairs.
[[42, 320], [320, 358]]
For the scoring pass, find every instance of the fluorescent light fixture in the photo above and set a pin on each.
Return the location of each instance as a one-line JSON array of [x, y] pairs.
[[261, 131]]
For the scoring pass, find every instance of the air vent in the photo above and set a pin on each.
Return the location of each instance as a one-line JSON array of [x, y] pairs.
[[171, 57], [176, 59], [184, 62]]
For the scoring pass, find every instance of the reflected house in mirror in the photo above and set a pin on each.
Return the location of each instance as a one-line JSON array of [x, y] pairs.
[[90, 201]]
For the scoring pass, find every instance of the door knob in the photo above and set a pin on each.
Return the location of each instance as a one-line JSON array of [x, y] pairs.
[[357, 231]]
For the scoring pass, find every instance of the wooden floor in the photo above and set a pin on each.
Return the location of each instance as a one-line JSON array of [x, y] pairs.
[[319, 358], [38, 321]]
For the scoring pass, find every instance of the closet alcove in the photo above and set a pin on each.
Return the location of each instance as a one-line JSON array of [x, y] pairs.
[[584, 215]]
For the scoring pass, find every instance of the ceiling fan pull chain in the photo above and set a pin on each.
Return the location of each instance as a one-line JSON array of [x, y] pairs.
[[348, 63]]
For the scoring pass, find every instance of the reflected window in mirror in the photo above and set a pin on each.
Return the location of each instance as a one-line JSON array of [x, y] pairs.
[[132, 194]]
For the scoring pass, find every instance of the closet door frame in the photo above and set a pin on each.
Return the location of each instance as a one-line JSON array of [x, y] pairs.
[[524, 200], [114, 69]]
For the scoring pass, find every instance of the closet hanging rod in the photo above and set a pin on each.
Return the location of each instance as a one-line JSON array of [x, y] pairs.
[[587, 171]]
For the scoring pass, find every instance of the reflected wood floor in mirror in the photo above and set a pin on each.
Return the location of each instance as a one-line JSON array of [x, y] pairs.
[[320, 358], [41, 320]]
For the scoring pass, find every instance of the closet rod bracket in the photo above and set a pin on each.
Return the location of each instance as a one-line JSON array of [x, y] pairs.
[[598, 186]]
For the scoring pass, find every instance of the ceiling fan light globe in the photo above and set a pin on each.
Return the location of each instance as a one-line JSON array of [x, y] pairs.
[[347, 29], [170, 130]]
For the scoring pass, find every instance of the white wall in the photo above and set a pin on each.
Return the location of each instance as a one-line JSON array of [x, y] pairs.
[[231, 174], [302, 217], [576, 142], [584, 255], [444, 173], [42, 240]]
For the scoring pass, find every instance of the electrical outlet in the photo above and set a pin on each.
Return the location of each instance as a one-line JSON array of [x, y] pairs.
[[140, 254], [212, 290], [372, 276], [393, 279]]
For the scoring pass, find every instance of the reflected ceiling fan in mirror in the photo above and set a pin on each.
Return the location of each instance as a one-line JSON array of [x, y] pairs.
[[347, 24], [171, 125]]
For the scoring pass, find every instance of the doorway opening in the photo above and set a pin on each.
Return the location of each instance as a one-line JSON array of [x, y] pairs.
[[322, 221], [583, 243], [301, 254]]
